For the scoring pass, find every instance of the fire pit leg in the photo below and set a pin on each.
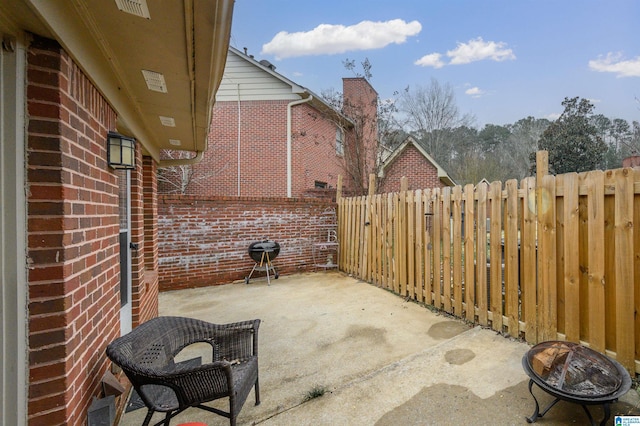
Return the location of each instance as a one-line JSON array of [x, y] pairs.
[[537, 414], [607, 413]]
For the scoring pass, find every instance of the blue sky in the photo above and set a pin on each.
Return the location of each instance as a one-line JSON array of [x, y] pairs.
[[504, 59]]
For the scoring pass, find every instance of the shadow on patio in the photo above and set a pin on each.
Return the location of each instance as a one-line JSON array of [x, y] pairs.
[[381, 359]]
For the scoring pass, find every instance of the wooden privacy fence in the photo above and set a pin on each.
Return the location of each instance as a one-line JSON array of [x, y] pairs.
[[555, 258]]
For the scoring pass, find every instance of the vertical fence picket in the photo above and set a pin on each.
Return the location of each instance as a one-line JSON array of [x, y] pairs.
[[456, 261], [364, 243], [636, 260], [547, 294], [419, 246], [438, 278], [529, 252], [446, 248], [610, 259], [481, 254], [495, 256], [469, 252], [389, 241], [571, 264], [625, 346], [595, 259], [428, 249], [511, 266], [411, 236], [396, 243]]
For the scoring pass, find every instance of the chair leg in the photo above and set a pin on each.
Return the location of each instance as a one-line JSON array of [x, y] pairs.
[[257, 392], [167, 418], [147, 419]]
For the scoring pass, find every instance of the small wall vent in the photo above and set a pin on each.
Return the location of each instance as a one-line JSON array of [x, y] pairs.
[[167, 121], [155, 81], [134, 7]]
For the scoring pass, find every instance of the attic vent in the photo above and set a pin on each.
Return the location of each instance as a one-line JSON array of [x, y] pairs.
[[134, 7], [155, 81], [268, 64], [167, 121]]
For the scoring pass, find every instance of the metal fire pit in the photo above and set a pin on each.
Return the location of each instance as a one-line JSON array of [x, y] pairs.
[[263, 253], [574, 373]]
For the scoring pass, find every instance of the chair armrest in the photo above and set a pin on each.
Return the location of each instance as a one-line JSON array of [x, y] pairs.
[[236, 341]]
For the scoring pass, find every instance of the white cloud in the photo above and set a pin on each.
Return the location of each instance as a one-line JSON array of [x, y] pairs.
[[327, 39], [474, 92], [474, 50], [478, 50], [614, 63], [432, 60]]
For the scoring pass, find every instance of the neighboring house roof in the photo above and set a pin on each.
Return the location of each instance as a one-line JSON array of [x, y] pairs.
[[243, 83], [391, 156], [184, 47]]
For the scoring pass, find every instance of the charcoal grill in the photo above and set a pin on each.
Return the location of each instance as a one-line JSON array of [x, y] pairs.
[[574, 373], [263, 252]]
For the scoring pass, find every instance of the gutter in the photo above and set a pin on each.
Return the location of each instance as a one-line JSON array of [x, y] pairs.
[[289, 137]]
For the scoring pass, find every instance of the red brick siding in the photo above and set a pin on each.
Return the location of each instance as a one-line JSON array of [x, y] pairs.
[[263, 151], [145, 294], [204, 241], [314, 150], [72, 237], [420, 172], [73, 228], [361, 105]]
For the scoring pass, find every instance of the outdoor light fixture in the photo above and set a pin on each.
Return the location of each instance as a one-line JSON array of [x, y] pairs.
[[121, 151]]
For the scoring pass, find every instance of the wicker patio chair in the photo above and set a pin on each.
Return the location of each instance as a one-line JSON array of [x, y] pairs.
[[146, 355]]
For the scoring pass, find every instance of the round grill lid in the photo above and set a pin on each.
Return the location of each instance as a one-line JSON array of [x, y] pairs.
[[257, 248]]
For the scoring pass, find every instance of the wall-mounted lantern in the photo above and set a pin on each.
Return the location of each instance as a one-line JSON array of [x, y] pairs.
[[121, 151]]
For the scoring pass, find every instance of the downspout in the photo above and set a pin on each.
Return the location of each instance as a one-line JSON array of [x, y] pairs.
[[238, 139], [289, 137]]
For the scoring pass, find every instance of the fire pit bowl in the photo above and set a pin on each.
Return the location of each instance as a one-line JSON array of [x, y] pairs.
[[574, 373]]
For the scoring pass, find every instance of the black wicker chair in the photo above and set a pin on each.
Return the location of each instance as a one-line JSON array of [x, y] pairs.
[[146, 355]]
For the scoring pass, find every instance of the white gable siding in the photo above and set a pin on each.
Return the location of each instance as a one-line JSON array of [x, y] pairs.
[[256, 84]]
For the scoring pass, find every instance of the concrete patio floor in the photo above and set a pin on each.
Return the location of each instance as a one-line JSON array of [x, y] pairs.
[[381, 359]]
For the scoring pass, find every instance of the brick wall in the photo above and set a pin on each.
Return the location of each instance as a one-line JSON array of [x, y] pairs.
[[361, 105], [73, 246], [204, 241], [72, 237], [314, 150], [263, 152], [420, 172], [145, 291]]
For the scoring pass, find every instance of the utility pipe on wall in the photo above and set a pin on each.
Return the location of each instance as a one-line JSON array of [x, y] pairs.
[[239, 139], [289, 137]]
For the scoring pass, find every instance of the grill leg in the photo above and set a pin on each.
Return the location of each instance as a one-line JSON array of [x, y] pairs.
[[266, 268]]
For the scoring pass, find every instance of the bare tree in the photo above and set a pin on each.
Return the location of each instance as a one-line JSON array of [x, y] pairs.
[[522, 142], [180, 179], [429, 113]]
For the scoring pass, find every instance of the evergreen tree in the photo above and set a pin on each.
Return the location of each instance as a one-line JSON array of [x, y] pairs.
[[572, 140]]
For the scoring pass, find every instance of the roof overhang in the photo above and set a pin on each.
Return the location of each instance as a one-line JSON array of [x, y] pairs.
[[185, 41]]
